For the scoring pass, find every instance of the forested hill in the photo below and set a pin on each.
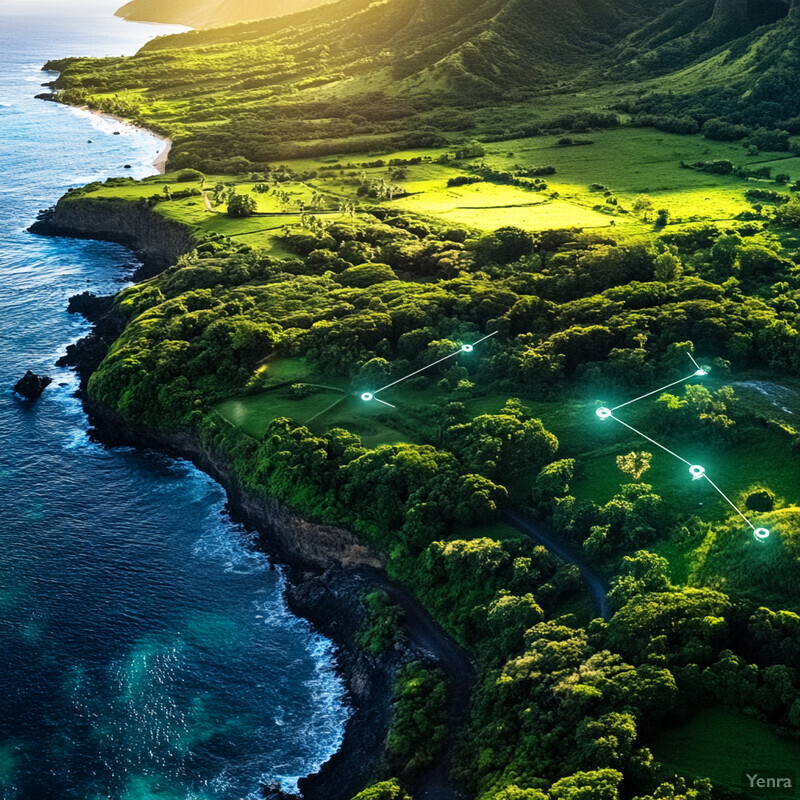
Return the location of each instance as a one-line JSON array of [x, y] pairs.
[[360, 75], [207, 13], [499, 48], [476, 45]]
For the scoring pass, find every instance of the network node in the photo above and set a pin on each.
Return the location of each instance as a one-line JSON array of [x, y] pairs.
[[367, 396], [697, 472], [467, 348], [761, 533], [700, 372], [603, 412]]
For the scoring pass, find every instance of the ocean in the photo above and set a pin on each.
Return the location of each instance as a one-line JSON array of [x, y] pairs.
[[146, 648]]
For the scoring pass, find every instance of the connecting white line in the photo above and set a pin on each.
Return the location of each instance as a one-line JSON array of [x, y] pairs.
[[698, 374], [465, 348], [696, 470], [653, 441], [730, 502]]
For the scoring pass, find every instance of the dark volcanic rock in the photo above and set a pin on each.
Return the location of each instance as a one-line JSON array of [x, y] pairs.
[[31, 385], [90, 305]]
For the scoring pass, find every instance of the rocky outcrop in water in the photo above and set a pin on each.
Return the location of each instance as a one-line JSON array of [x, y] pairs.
[[90, 306], [31, 385]]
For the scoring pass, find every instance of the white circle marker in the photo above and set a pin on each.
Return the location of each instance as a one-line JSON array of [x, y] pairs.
[[761, 533], [701, 372], [367, 396], [467, 348], [603, 412], [697, 472]]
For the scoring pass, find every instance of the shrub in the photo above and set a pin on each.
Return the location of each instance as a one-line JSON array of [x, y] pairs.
[[760, 499], [382, 623], [186, 175], [241, 205]]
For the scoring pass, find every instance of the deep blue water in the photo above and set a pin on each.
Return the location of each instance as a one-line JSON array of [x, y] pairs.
[[146, 648]]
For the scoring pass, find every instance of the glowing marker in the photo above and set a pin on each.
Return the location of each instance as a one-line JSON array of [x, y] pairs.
[[462, 349], [700, 372], [367, 396], [761, 533], [697, 472], [603, 412]]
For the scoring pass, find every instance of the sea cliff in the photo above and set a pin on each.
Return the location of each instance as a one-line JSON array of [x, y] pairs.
[[157, 241], [327, 567]]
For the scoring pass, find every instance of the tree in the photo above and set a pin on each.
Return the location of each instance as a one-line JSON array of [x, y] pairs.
[[601, 784], [667, 267], [760, 499], [241, 205], [643, 205], [385, 790], [641, 573], [635, 463]]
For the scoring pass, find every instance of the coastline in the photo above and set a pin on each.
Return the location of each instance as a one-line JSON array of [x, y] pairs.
[[327, 569], [161, 159], [323, 586], [162, 156]]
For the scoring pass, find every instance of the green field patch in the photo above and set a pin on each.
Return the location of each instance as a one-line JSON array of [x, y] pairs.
[[374, 423], [281, 370], [253, 414], [765, 570], [720, 744], [499, 531]]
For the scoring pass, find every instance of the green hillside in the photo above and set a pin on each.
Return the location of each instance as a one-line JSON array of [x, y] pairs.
[[360, 76], [501, 216]]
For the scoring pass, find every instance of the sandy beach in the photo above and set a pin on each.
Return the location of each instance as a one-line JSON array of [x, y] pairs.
[[160, 161]]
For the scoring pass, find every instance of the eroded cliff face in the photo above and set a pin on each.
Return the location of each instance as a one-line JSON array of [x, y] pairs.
[[293, 539], [157, 241]]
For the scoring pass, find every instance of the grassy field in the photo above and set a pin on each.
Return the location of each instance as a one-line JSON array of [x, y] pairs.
[[758, 455], [625, 162], [720, 744]]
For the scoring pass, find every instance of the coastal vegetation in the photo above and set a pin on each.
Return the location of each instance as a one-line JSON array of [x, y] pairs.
[[358, 214]]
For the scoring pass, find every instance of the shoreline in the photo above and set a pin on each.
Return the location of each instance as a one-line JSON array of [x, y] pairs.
[[327, 569], [325, 591], [322, 586], [162, 156]]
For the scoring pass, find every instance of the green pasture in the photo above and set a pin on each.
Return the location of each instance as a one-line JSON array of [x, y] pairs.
[[720, 744], [759, 454], [625, 162]]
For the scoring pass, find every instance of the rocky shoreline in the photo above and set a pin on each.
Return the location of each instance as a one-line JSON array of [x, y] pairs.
[[327, 568]]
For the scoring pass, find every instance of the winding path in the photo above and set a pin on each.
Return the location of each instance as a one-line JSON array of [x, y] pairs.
[[454, 660], [426, 635], [539, 532]]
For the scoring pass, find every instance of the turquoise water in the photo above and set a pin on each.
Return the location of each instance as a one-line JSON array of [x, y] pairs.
[[146, 648]]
